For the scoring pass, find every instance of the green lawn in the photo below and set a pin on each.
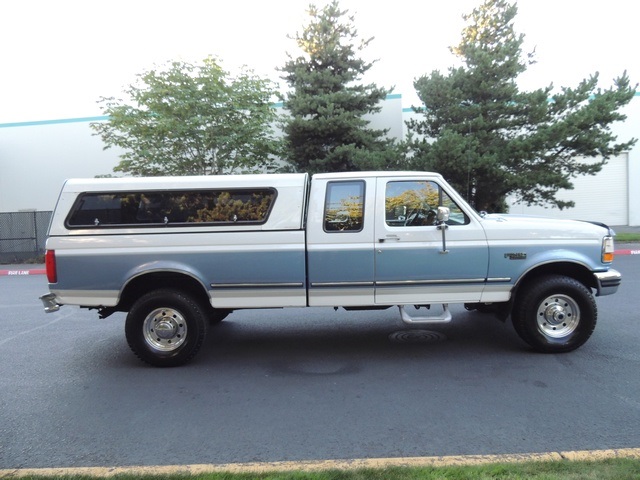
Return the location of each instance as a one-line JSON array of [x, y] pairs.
[[627, 237], [608, 469]]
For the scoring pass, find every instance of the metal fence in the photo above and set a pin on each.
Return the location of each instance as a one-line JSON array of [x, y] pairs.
[[23, 236]]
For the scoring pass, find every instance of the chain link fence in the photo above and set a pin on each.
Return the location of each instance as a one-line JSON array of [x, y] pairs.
[[23, 236]]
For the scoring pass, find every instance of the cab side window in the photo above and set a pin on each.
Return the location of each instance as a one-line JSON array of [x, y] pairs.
[[414, 203], [344, 207]]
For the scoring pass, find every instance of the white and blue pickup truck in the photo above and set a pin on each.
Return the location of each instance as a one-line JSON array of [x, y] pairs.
[[181, 253]]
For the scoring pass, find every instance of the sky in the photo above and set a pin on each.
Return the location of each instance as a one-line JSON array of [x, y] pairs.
[[59, 57]]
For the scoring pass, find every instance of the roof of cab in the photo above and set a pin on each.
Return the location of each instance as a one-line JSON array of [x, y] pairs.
[[374, 174]]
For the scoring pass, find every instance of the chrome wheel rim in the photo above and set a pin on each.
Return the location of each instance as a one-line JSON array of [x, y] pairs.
[[558, 316], [165, 329]]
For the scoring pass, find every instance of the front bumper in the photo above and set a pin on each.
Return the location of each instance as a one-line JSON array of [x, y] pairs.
[[50, 302], [608, 282]]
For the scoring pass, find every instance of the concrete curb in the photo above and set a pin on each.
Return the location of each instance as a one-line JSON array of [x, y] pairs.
[[319, 465]]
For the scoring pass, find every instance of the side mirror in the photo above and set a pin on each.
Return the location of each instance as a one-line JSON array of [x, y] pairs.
[[443, 214], [400, 212], [443, 217]]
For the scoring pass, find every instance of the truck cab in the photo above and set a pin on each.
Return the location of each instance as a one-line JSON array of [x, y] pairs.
[[384, 233]]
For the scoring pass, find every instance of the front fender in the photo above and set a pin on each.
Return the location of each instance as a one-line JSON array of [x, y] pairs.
[[517, 264]]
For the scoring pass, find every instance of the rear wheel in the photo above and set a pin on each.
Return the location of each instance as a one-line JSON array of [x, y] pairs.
[[554, 314], [166, 328]]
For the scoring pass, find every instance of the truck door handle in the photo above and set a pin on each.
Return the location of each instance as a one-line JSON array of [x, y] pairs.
[[389, 238]]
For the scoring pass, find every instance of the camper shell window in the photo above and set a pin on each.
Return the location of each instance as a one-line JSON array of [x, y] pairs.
[[172, 208]]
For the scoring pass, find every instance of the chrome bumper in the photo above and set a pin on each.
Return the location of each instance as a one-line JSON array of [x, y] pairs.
[[50, 303], [608, 282]]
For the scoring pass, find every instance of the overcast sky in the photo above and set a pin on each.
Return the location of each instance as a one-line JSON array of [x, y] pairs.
[[59, 56]]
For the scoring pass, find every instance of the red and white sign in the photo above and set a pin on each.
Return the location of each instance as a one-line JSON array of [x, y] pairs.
[[627, 252], [19, 273]]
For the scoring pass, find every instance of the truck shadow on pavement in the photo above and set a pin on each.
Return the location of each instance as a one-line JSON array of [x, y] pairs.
[[318, 343]]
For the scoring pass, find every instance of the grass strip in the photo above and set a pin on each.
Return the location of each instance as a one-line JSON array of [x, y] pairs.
[[627, 237], [611, 468]]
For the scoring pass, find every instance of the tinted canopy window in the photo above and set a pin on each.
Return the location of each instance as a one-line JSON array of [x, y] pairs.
[[245, 206]]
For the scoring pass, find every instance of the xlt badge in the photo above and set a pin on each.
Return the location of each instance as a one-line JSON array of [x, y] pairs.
[[516, 256]]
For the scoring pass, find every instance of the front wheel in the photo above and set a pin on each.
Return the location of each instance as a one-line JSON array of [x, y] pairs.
[[554, 314], [166, 328]]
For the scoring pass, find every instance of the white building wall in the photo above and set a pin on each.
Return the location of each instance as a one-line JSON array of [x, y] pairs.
[[601, 198], [631, 129], [37, 157], [389, 118], [634, 187]]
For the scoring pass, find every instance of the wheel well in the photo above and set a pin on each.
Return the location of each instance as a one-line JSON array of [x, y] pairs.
[[578, 272], [153, 281]]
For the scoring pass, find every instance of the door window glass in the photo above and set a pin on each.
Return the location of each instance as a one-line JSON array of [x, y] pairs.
[[344, 207], [414, 203]]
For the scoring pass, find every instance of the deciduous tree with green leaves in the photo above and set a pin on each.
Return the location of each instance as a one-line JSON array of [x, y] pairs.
[[325, 129], [187, 119], [489, 139]]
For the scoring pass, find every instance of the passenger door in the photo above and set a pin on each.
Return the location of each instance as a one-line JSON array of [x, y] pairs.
[[412, 263]]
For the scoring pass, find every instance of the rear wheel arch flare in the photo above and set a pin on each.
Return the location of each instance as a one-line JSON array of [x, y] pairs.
[[148, 281]]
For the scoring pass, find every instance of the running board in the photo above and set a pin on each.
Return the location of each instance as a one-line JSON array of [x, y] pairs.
[[445, 317]]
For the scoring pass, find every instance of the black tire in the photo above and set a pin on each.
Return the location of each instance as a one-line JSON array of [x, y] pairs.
[[554, 314], [166, 328]]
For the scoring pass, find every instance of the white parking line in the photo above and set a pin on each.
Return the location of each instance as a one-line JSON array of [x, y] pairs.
[[58, 316]]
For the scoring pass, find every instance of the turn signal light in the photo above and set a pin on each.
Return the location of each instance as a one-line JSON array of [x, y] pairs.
[[607, 249]]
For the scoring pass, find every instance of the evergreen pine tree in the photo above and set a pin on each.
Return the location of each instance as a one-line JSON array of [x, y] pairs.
[[489, 139], [326, 129]]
